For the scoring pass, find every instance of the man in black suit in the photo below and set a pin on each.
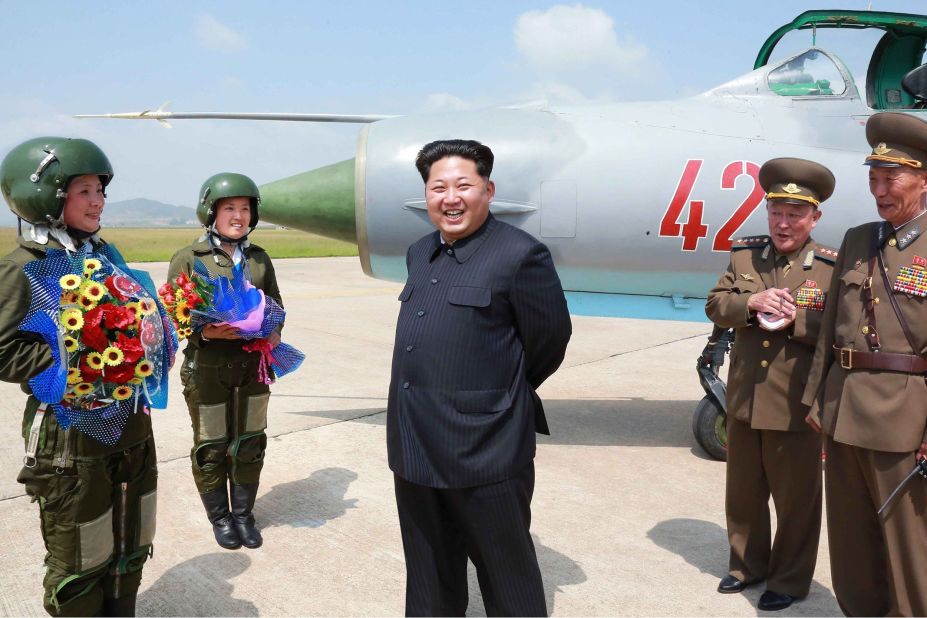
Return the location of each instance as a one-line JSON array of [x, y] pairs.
[[483, 323]]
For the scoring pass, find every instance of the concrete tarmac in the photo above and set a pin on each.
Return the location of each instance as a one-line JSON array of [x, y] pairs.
[[628, 512]]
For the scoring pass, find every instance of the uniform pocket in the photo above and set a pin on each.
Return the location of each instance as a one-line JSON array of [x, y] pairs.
[[853, 278], [406, 292], [469, 296], [257, 413], [96, 541], [211, 423], [483, 402], [746, 287], [148, 507]]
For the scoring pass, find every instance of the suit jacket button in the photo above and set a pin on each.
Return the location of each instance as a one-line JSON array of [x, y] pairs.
[[409, 348], [450, 252], [766, 343], [434, 281], [421, 313], [405, 385], [764, 363]]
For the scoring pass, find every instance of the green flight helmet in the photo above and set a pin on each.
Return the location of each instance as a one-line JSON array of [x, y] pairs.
[[224, 185], [34, 176]]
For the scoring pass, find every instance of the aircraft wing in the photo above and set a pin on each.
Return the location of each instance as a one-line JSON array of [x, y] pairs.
[[163, 116]]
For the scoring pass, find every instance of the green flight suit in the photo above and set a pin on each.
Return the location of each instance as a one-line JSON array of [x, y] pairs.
[[96, 502], [227, 403]]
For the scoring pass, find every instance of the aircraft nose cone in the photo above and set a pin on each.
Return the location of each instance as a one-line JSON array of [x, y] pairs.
[[320, 201]]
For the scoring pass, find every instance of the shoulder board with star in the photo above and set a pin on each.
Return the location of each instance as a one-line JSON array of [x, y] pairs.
[[750, 242], [825, 254]]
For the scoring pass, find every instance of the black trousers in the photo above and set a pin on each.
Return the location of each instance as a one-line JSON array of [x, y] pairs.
[[490, 524]]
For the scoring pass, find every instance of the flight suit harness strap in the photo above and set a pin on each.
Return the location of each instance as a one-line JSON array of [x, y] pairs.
[[32, 444]]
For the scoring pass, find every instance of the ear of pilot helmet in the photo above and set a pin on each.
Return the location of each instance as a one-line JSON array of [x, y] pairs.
[[225, 185], [34, 175]]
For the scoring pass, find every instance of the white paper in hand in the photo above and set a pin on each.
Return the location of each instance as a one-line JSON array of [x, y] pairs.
[[768, 322]]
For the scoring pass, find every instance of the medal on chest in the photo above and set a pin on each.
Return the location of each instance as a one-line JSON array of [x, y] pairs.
[[912, 279], [809, 296]]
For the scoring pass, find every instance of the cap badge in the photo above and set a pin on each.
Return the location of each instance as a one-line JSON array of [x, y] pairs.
[[791, 188], [880, 149]]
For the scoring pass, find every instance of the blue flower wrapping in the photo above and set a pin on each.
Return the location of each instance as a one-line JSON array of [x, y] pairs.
[[234, 300], [105, 420]]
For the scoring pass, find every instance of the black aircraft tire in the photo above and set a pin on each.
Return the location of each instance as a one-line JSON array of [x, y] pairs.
[[708, 425]]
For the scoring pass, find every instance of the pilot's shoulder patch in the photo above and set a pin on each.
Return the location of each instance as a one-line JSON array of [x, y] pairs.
[[826, 254], [750, 242]]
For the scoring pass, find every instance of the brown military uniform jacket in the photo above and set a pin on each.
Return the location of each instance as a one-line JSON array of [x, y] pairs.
[[878, 410], [768, 368]]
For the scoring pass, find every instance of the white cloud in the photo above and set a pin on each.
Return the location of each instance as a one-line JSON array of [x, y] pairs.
[[570, 38], [216, 36], [445, 102]]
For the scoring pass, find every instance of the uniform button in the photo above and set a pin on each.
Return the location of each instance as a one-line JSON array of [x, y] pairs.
[[892, 242], [434, 281], [409, 348], [766, 343], [405, 385], [764, 364], [229, 365], [421, 313], [876, 300], [865, 330]]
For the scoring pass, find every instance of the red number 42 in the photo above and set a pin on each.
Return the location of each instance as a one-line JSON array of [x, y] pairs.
[[693, 229]]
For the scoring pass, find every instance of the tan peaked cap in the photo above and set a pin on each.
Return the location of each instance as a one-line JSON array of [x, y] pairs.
[[897, 139]]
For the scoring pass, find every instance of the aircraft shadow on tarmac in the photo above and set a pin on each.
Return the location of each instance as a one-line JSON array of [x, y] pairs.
[[557, 570], [590, 422], [210, 575], [704, 545], [308, 503]]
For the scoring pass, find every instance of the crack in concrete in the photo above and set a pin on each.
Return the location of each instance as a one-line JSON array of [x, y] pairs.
[[651, 347]]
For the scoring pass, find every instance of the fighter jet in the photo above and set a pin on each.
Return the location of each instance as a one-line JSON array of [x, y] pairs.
[[638, 202]]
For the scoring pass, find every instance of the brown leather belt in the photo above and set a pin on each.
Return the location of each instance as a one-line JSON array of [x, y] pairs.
[[886, 361]]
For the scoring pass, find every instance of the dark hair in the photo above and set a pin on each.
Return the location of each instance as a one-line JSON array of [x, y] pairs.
[[464, 148]]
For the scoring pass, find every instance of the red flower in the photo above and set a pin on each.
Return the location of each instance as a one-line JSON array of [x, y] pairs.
[[94, 337], [131, 347], [165, 289], [114, 289], [120, 374], [118, 317], [194, 300], [181, 279], [95, 316], [88, 373]]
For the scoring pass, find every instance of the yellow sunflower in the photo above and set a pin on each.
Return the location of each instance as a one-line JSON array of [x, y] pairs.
[[70, 344], [144, 368], [86, 303], [146, 306], [70, 282], [74, 376], [112, 356], [84, 388], [185, 332], [69, 298], [136, 381], [121, 393], [93, 290], [72, 319], [182, 312], [94, 360], [91, 265]]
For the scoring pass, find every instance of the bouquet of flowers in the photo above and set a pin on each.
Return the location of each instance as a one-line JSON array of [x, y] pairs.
[[109, 337], [198, 299]]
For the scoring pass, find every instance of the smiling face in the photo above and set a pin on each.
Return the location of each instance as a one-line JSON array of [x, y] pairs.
[[790, 224], [457, 197], [898, 192], [233, 216], [84, 203]]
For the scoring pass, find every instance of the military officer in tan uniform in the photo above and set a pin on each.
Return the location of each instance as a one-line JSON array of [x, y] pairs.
[[773, 293], [866, 387]]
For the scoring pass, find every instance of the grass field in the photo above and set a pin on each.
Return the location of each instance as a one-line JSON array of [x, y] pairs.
[[159, 244]]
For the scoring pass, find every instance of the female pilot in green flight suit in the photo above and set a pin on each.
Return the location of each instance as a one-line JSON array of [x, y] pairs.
[[226, 399]]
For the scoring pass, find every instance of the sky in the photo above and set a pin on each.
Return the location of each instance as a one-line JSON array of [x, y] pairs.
[[352, 57]]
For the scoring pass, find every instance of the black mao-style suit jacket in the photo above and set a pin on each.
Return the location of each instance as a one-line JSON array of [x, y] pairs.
[[483, 323]]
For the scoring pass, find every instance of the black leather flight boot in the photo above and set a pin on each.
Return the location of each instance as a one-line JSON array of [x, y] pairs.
[[217, 510], [243, 497]]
